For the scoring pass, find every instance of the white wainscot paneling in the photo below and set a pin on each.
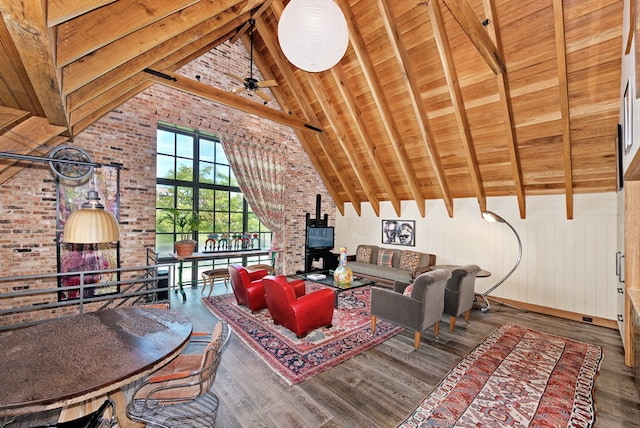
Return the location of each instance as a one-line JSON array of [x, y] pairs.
[[566, 264]]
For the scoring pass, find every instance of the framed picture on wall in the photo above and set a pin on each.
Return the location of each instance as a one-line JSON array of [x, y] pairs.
[[399, 232]]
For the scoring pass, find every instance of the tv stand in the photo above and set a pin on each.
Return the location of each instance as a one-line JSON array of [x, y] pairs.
[[329, 259]]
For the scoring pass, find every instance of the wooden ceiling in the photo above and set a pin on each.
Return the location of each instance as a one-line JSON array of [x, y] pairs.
[[441, 99]]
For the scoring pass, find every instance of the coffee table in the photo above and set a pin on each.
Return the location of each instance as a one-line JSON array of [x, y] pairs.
[[338, 288]]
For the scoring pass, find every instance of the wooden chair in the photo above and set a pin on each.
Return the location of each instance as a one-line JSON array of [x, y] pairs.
[[179, 394]]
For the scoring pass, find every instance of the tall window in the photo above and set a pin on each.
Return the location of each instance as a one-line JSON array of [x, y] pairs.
[[193, 174]]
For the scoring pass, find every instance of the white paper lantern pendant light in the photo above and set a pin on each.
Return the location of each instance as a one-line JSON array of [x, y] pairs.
[[313, 34]]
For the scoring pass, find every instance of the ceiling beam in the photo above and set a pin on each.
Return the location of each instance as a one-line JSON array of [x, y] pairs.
[[464, 14], [162, 57], [354, 162], [507, 111], [33, 136], [108, 24], [355, 118], [59, 11], [111, 100], [193, 87], [109, 57], [255, 15], [104, 102], [29, 135], [95, 100], [382, 105], [15, 87], [26, 22], [563, 86], [10, 117], [419, 110], [435, 15]]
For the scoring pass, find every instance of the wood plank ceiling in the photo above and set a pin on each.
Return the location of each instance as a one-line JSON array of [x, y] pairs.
[[441, 99]]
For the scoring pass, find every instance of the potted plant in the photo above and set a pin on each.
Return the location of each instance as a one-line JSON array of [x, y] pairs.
[[186, 222]]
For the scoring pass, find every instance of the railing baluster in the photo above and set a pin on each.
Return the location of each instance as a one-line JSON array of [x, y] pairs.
[[142, 285]]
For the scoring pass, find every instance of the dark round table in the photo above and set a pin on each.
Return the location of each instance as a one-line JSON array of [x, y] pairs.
[[70, 360]]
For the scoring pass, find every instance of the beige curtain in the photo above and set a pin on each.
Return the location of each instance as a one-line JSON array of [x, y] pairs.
[[260, 171]]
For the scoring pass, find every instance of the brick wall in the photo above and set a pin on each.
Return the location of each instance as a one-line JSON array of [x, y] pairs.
[[127, 135]]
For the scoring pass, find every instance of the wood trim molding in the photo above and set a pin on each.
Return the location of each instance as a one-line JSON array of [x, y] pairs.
[[602, 322]]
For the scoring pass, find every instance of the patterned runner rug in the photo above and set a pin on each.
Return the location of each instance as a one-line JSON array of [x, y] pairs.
[[299, 359], [516, 377]]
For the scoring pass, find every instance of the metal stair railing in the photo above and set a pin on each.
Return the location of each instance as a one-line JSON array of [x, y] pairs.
[[139, 288]]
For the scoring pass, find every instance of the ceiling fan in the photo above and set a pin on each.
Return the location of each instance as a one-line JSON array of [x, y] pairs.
[[249, 83]]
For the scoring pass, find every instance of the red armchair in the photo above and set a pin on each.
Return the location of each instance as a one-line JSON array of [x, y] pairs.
[[248, 289], [300, 314], [247, 286]]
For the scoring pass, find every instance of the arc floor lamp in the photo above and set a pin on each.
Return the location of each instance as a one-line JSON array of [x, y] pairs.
[[492, 217]]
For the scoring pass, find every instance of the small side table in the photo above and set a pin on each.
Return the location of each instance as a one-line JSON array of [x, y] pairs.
[[482, 274]]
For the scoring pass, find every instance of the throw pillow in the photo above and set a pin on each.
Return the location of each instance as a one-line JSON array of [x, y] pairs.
[[363, 254], [409, 260], [407, 291], [385, 257]]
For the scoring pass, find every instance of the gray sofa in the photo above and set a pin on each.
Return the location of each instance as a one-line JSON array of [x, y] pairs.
[[405, 265]]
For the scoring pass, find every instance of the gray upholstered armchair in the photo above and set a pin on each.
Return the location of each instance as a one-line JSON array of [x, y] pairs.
[[417, 306], [459, 293]]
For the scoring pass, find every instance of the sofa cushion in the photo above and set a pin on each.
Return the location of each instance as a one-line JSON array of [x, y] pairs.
[[363, 254], [409, 260], [385, 257], [387, 274]]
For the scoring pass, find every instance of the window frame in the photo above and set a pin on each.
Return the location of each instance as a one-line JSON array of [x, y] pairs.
[[192, 270]]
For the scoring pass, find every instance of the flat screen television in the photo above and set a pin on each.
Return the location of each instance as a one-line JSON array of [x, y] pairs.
[[320, 237]]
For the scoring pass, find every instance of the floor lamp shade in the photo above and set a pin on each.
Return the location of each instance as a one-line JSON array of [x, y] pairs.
[[91, 224], [313, 34]]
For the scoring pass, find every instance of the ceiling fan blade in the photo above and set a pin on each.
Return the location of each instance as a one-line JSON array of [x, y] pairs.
[[234, 76], [238, 89], [262, 94], [267, 84]]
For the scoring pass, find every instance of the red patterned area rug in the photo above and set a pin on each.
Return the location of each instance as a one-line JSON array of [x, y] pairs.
[[516, 377], [299, 359]]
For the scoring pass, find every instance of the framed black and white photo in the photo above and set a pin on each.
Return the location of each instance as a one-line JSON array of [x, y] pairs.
[[399, 232]]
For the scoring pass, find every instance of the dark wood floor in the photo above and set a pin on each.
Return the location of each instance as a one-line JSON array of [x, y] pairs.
[[383, 385]]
